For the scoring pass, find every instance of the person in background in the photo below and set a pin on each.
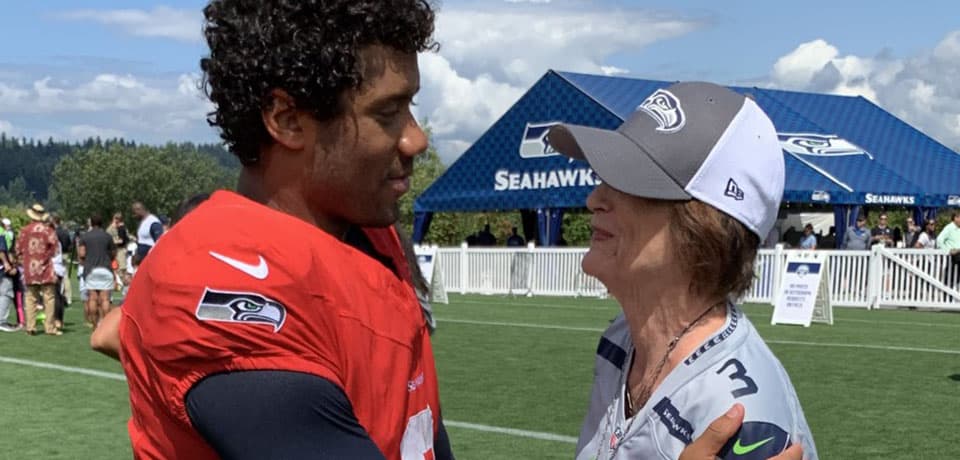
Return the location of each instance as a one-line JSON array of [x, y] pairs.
[[8, 274], [118, 231], [150, 228], [96, 252], [808, 240], [515, 240], [882, 234], [133, 261], [65, 286], [927, 239], [485, 237], [911, 233], [36, 246], [59, 269], [6, 231], [949, 239], [857, 236]]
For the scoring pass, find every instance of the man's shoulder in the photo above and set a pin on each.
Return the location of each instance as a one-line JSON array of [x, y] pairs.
[[249, 225], [229, 242]]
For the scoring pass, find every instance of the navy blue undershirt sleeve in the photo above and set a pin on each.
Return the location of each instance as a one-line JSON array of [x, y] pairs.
[[277, 415], [441, 445], [156, 229]]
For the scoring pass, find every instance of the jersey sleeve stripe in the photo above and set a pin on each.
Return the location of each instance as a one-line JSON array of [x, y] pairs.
[[611, 352]]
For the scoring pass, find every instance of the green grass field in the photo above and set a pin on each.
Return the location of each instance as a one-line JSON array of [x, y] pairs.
[[877, 384]]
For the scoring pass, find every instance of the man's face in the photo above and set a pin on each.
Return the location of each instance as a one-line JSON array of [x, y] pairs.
[[910, 225], [882, 222], [363, 159], [138, 210], [861, 223]]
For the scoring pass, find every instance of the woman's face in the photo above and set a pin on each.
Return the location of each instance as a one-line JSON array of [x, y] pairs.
[[631, 240]]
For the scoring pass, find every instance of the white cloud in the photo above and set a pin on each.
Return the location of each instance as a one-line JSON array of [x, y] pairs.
[[154, 110], [519, 44], [456, 104], [922, 90], [104, 92], [161, 21], [489, 58], [799, 66], [7, 128], [610, 70]]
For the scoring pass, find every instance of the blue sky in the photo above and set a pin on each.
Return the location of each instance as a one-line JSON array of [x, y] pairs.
[[69, 69]]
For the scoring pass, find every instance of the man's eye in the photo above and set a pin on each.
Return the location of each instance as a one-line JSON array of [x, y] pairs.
[[395, 110]]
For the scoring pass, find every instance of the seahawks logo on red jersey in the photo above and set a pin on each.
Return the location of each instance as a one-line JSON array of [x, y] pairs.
[[241, 307]]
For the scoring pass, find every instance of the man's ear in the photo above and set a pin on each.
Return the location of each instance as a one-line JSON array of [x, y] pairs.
[[283, 120]]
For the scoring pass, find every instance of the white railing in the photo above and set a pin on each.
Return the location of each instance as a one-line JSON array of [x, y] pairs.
[[867, 279]]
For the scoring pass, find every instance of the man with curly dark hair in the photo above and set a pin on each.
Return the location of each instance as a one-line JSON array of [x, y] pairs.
[[296, 334]]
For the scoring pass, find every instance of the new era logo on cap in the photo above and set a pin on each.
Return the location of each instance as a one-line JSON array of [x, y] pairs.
[[688, 141], [733, 190]]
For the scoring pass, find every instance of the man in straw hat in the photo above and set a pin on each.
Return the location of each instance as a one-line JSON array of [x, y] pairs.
[[36, 247]]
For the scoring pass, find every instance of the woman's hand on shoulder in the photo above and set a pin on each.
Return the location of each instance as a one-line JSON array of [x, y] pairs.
[[719, 432]]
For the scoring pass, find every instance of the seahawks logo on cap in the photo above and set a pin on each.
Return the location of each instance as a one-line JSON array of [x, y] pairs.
[[665, 108], [827, 145], [241, 307]]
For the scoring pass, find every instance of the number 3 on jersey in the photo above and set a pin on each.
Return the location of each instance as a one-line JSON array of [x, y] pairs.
[[417, 443], [740, 373]]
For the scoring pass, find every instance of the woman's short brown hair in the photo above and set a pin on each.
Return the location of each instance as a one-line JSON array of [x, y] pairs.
[[716, 249]]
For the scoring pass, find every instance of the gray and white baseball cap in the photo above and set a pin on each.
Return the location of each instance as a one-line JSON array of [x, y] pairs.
[[691, 140]]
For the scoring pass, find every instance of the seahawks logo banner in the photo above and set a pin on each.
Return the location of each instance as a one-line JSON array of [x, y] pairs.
[[535, 143], [665, 108], [824, 145], [241, 307]]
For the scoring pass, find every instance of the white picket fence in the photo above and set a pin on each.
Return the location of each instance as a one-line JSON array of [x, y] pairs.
[[877, 278]]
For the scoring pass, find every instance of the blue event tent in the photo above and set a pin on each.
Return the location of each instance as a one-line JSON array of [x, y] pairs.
[[839, 150]]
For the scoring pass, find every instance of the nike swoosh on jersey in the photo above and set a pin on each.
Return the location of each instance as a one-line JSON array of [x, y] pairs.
[[259, 271], [744, 450]]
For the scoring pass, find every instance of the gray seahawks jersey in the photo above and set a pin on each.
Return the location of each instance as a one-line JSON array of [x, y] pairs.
[[734, 366]]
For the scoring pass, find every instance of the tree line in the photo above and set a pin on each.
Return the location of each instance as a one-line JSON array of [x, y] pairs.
[[104, 176]]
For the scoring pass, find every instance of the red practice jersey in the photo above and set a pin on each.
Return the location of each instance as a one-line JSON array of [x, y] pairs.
[[237, 286]]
